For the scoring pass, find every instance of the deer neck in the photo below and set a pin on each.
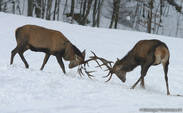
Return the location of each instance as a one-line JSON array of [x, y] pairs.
[[128, 63], [69, 53]]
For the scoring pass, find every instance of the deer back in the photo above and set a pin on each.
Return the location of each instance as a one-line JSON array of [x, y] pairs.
[[41, 38], [146, 47]]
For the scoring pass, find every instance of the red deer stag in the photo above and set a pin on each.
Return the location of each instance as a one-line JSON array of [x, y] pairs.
[[145, 53], [51, 42]]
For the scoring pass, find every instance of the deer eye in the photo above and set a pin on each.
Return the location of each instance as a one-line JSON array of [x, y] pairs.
[[77, 58], [117, 68]]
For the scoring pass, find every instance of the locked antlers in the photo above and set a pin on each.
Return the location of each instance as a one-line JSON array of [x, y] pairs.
[[95, 58]]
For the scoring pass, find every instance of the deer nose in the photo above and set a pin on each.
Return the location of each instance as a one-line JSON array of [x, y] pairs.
[[70, 66], [123, 80]]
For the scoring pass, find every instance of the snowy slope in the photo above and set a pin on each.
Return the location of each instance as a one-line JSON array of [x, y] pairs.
[[50, 91]]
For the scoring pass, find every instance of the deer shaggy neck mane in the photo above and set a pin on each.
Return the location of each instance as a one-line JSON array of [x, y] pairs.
[[70, 51], [77, 51]]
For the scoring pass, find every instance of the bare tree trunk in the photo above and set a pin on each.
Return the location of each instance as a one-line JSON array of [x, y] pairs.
[[43, 5], [173, 3], [94, 13], [178, 22], [84, 20], [117, 13], [48, 12], [55, 9], [38, 8], [58, 10], [13, 8], [81, 6], [99, 12], [18, 7], [30, 8], [84, 8], [1, 5], [112, 20], [65, 7], [136, 16], [150, 16], [113, 14], [23, 7], [161, 9], [72, 10]]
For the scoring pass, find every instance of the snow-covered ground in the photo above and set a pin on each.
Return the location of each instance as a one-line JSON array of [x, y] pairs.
[[50, 91]]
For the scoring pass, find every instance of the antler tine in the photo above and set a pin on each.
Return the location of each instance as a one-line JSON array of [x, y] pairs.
[[106, 63], [110, 63], [99, 65], [109, 77], [106, 70], [83, 67], [93, 53], [91, 58], [87, 72], [110, 72], [80, 71], [95, 57]]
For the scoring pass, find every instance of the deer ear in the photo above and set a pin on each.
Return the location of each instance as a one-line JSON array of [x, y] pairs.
[[84, 53], [117, 59], [76, 57]]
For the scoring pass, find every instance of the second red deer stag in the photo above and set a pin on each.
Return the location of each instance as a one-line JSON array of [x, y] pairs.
[[51, 42], [145, 53]]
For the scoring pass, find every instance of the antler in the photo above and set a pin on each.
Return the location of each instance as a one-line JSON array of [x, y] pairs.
[[105, 62], [82, 67]]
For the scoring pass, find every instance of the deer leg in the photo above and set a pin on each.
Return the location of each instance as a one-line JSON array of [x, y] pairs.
[[59, 59], [142, 76], [165, 67], [45, 60], [23, 59], [143, 73], [135, 83], [142, 83], [13, 53], [21, 50]]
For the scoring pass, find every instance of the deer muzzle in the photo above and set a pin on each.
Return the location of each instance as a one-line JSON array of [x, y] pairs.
[[121, 76]]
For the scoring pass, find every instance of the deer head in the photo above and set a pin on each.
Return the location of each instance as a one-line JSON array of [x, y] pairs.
[[77, 60], [119, 71]]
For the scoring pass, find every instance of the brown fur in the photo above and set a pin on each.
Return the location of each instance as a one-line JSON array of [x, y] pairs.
[[40, 37], [51, 42], [145, 53]]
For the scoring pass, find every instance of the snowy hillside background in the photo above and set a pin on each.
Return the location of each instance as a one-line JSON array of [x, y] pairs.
[[130, 16], [50, 91]]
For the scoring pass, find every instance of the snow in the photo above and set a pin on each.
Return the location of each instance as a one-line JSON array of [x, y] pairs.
[[50, 91]]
